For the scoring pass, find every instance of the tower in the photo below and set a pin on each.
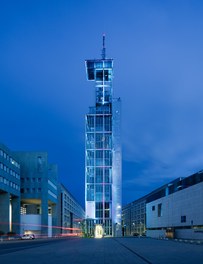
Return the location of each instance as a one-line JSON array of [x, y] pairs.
[[103, 151]]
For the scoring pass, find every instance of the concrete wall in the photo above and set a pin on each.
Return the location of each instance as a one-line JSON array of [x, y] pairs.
[[187, 202]]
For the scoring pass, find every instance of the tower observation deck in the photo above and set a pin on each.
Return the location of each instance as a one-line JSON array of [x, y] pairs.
[[103, 151]]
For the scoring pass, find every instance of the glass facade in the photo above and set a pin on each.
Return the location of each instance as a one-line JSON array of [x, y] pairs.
[[103, 152]]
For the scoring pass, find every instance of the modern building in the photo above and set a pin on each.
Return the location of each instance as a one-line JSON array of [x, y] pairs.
[[71, 214], [9, 191], [103, 151], [39, 181], [134, 214], [179, 212], [171, 211], [134, 218]]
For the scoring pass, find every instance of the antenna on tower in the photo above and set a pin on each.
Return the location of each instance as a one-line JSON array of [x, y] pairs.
[[103, 48]]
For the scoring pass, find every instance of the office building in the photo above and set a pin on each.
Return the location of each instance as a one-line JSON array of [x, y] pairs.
[[179, 212], [39, 181], [171, 211], [103, 152], [71, 214], [9, 191], [134, 218], [134, 214]]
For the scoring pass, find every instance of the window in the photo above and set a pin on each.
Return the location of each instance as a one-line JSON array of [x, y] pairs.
[[107, 123], [107, 141], [108, 193], [99, 175], [153, 208], [107, 210], [90, 141], [99, 157], [99, 210], [99, 123], [90, 175], [107, 173], [90, 192], [99, 192], [90, 157], [183, 218], [99, 75], [99, 141], [107, 158], [159, 210], [90, 123]]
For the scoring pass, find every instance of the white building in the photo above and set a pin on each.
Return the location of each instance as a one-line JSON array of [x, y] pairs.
[[179, 213]]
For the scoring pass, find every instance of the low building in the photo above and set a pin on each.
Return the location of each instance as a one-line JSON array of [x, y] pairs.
[[39, 192], [71, 214], [178, 214], [173, 211], [134, 218], [134, 214], [9, 191]]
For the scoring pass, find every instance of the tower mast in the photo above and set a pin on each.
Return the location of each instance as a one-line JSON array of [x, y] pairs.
[[103, 48]]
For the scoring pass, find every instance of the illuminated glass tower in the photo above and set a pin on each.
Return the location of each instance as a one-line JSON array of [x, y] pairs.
[[103, 151]]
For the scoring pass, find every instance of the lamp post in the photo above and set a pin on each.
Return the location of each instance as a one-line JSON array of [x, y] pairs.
[[140, 228], [133, 231]]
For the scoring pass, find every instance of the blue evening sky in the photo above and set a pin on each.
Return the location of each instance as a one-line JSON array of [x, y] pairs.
[[158, 63]]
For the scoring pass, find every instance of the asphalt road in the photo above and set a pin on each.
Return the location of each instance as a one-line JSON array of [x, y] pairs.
[[100, 251]]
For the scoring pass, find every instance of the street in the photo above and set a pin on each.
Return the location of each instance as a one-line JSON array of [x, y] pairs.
[[96, 251]]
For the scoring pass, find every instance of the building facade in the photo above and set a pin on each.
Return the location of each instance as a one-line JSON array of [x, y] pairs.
[[39, 181], [171, 211], [9, 191], [179, 213], [103, 151], [71, 214], [134, 218]]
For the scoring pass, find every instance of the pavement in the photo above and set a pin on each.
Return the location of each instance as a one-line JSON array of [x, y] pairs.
[[131, 250]]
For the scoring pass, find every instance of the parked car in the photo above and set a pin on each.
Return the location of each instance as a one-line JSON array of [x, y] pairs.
[[28, 236]]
